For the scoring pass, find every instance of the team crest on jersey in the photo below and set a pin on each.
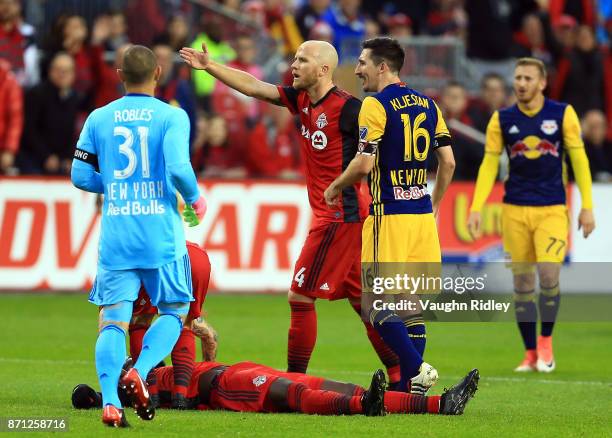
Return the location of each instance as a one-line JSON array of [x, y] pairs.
[[549, 127], [322, 121], [318, 140], [259, 380], [363, 133]]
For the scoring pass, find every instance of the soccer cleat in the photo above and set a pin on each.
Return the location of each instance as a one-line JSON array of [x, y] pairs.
[[136, 389], [427, 377], [127, 365], [546, 360], [529, 362], [373, 400], [454, 399], [114, 417], [179, 401], [85, 397]]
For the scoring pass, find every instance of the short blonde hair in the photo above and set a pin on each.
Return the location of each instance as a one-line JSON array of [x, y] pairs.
[[533, 62]]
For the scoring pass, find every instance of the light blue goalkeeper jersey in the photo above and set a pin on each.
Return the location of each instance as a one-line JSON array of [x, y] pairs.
[[142, 149]]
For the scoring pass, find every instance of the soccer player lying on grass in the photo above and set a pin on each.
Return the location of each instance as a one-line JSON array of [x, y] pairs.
[[183, 353], [250, 387]]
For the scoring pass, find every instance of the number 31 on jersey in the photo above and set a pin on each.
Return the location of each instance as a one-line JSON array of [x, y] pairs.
[[125, 148]]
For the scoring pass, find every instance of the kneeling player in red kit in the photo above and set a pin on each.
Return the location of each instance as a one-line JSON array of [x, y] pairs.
[[183, 353]]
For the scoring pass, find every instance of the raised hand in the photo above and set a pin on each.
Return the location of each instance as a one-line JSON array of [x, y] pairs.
[[195, 58]]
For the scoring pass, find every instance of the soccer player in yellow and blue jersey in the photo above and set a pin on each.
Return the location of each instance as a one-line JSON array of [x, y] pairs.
[[399, 130], [537, 133]]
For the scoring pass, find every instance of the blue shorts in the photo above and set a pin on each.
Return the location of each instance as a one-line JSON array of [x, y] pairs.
[[170, 283]]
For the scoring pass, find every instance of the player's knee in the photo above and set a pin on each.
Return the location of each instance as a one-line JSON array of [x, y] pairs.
[[295, 297], [178, 310], [548, 275], [524, 282], [117, 315]]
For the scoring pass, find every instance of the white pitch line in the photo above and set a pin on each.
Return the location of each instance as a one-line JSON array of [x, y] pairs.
[[322, 371], [46, 361], [485, 378]]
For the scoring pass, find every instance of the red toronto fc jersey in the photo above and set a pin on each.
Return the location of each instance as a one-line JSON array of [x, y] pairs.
[[330, 135]]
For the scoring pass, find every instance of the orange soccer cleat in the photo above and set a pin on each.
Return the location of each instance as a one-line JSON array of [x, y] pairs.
[[546, 360], [136, 389], [529, 362], [114, 417]]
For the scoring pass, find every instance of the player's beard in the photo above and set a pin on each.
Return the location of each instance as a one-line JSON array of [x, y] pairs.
[[305, 83]]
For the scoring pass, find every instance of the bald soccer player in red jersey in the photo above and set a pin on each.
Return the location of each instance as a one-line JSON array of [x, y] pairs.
[[329, 264]]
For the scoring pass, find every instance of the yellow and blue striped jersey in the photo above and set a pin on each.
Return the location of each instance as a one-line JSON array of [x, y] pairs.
[[401, 127]]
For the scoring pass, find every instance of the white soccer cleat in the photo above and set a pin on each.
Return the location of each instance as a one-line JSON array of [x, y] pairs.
[[427, 377], [544, 367]]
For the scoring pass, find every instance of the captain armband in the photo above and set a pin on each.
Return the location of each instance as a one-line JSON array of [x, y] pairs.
[[367, 147], [86, 157], [442, 140]]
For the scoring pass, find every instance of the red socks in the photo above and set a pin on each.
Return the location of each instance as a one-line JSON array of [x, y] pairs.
[[136, 332], [312, 401], [404, 403], [183, 358], [302, 336]]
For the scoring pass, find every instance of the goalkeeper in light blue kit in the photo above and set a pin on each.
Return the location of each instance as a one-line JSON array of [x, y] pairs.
[[135, 150]]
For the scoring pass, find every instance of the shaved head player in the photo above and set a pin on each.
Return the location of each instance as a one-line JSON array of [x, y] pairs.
[[329, 264]]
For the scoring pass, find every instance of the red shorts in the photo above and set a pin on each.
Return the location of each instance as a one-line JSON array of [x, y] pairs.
[[329, 265], [200, 276], [243, 387]]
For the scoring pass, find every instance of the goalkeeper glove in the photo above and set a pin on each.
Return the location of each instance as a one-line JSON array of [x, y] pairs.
[[194, 213]]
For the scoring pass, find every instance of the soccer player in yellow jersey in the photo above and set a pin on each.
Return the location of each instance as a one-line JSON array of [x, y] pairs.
[[536, 133], [399, 131]]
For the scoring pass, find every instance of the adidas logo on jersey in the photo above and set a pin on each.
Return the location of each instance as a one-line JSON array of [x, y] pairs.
[[305, 110], [513, 130], [324, 286]]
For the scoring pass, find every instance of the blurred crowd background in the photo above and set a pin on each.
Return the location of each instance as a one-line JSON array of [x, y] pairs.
[[58, 61]]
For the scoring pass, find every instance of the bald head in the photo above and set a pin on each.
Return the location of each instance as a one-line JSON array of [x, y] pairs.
[[139, 65], [323, 52]]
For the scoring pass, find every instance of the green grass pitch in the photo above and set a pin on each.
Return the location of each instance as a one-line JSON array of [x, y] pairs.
[[47, 341]]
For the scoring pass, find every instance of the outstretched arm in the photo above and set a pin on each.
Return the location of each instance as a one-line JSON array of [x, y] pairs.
[[237, 79]]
